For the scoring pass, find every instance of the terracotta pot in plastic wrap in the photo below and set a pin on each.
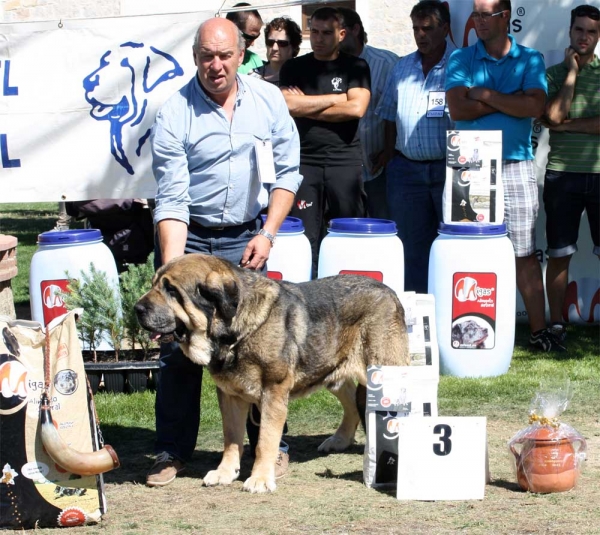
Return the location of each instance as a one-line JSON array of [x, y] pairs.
[[547, 460]]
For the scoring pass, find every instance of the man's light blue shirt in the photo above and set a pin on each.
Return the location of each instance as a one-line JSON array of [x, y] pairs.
[[371, 126], [405, 101], [205, 166], [521, 69]]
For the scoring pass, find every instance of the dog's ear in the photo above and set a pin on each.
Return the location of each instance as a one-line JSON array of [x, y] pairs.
[[223, 291]]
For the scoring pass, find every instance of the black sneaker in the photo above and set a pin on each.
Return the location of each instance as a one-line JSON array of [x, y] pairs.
[[559, 331], [544, 340]]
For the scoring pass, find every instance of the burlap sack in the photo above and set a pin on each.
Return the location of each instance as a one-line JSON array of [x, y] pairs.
[[34, 491]]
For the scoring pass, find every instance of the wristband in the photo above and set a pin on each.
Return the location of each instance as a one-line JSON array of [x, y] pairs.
[[267, 235]]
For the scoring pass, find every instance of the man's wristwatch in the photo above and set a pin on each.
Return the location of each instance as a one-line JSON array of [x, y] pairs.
[[267, 235]]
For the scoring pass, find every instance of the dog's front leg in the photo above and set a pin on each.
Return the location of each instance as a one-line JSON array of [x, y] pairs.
[[234, 411], [273, 412]]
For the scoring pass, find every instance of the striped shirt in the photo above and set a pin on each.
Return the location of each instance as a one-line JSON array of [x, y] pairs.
[[576, 152], [405, 101], [371, 127]]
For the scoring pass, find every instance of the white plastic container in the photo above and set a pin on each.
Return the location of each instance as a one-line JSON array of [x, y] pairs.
[[363, 246], [59, 252], [291, 257], [472, 276]]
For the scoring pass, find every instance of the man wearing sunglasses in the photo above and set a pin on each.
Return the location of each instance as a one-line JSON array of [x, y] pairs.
[[497, 84], [250, 23], [572, 182]]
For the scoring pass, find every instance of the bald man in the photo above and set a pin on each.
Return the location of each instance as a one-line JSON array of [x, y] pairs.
[[207, 144]]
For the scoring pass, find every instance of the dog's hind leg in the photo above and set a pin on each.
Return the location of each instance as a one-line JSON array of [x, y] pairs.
[[344, 436], [234, 412], [273, 413]]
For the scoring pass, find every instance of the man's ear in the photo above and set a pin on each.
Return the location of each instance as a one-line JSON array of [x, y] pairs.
[[342, 33]]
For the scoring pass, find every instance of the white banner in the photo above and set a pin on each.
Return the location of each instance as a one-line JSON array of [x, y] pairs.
[[544, 25], [78, 99]]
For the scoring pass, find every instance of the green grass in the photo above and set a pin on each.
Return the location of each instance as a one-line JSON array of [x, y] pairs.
[[25, 221]]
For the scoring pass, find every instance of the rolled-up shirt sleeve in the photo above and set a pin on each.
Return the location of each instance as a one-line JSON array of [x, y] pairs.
[[170, 168], [286, 148]]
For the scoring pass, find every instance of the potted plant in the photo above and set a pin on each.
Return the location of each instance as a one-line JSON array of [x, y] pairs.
[[110, 315]]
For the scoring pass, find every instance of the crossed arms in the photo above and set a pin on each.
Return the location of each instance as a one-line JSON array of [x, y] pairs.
[[469, 103], [334, 108]]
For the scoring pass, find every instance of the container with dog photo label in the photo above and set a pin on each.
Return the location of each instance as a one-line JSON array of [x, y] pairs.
[[472, 276]]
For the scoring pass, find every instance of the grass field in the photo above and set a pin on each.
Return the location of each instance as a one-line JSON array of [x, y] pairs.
[[324, 493]]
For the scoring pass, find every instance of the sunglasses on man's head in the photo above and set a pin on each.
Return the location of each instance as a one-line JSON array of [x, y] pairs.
[[586, 11], [281, 43], [250, 38]]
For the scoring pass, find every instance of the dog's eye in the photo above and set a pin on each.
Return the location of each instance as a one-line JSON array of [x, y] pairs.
[[171, 290]]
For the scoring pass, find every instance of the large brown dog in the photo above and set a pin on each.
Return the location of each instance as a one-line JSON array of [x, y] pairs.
[[267, 341]]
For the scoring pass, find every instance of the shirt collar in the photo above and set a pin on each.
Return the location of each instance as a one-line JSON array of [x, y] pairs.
[[481, 52], [594, 64], [241, 89]]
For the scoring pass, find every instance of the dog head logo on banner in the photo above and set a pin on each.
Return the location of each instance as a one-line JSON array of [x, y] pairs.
[[137, 69]]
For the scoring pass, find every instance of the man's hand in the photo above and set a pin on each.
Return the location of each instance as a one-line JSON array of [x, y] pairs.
[[572, 60], [380, 159], [482, 94], [295, 90], [256, 253]]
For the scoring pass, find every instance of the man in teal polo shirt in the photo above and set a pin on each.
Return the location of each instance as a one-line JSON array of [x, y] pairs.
[[497, 84]]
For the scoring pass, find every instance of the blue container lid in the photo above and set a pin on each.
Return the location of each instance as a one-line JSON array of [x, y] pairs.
[[291, 225], [66, 237], [362, 225], [473, 229]]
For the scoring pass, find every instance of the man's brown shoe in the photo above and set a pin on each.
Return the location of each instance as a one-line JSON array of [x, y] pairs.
[[281, 464], [164, 470]]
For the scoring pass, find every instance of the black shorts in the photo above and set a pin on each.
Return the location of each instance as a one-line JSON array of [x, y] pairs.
[[566, 196]]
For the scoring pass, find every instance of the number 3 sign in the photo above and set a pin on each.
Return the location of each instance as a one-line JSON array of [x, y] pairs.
[[442, 458]]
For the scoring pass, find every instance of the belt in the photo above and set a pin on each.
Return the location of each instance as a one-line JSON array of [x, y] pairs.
[[398, 153], [249, 225]]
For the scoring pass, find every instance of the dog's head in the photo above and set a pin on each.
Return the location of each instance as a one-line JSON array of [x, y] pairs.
[[193, 300]]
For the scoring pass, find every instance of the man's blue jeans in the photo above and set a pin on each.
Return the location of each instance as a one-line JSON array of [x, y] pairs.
[[414, 197], [177, 407]]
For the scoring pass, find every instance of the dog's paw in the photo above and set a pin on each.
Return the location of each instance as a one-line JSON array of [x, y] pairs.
[[220, 476], [336, 443], [257, 485]]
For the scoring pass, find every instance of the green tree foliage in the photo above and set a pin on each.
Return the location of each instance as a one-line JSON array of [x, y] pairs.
[[135, 282], [107, 312]]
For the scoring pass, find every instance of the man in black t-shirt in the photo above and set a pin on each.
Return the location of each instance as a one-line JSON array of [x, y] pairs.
[[327, 92]]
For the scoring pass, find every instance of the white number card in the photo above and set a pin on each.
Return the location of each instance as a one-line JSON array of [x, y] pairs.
[[264, 159], [442, 458], [436, 104]]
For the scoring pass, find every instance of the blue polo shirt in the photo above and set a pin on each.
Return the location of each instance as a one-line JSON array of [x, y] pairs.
[[521, 69]]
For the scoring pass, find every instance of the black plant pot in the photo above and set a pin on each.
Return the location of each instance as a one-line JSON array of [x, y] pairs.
[[94, 379], [137, 381], [126, 376], [114, 381]]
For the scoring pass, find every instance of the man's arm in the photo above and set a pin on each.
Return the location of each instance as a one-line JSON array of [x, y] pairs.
[[389, 146], [584, 125], [172, 235], [557, 107], [258, 249], [463, 108], [354, 107], [301, 105], [528, 103]]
